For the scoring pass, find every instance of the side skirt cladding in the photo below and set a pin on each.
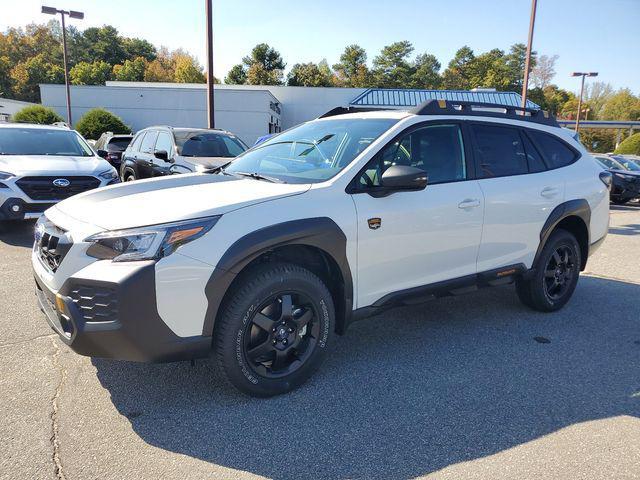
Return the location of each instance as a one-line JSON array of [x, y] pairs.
[[321, 233]]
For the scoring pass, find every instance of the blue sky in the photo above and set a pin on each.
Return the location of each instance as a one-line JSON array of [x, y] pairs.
[[588, 35]]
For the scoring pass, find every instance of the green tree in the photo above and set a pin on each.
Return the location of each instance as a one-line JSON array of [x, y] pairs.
[[130, 70], [264, 65], [97, 121], [37, 114], [515, 62], [597, 94], [457, 75], [96, 73], [236, 76], [391, 69], [426, 72], [310, 75], [27, 75], [137, 47], [622, 105], [5, 77], [631, 145], [598, 140], [551, 98], [103, 44], [187, 70], [352, 70]]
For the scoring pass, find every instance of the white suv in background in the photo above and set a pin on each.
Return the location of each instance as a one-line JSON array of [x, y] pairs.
[[264, 260], [41, 165]]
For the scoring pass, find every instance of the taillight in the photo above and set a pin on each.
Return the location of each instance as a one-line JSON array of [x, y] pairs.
[[607, 179]]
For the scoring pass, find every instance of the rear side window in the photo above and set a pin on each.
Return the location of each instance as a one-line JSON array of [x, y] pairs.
[[148, 142], [499, 151], [536, 164], [555, 152]]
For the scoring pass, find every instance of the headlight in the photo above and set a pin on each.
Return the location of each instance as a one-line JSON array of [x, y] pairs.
[[110, 174], [5, 175], [147, 243]]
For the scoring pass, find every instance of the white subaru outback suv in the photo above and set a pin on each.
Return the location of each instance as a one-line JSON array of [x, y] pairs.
[[264, 260], [40, 165]]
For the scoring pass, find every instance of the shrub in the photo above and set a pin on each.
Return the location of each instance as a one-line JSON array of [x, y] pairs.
[[97, 121], [630, 145], [37, 114]]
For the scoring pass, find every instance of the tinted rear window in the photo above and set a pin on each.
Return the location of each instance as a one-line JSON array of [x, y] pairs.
[[207, 144], [499, 151], [118, 144], [555, 152]]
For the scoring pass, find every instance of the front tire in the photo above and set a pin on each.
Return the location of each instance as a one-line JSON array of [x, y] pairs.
[[556, 274], [274, 329]]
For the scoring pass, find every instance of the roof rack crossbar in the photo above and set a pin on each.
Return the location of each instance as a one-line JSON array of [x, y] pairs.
[[466, 108]]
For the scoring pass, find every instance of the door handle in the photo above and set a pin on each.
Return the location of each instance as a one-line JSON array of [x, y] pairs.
[[469, 203], [549, 192]]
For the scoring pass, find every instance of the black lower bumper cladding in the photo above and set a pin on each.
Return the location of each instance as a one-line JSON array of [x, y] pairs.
[[131, 329]]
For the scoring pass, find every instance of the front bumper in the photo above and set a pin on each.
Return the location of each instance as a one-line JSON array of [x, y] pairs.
[[116, 320], [625, 189], [14, 208]]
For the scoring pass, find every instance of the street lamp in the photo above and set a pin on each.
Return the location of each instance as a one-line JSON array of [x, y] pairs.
[[72, 14], [581, 74]]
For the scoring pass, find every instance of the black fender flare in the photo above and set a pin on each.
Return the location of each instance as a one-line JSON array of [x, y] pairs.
[[577, 208], [320, 232]]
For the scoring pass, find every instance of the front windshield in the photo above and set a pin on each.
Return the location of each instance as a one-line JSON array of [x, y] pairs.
[[628, 164], [312, 152], [39, 141], [609, 162]]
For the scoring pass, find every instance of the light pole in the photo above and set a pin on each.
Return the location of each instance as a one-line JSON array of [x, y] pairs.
[[72, 14], [527, 62], [581, 74], [211, 122]]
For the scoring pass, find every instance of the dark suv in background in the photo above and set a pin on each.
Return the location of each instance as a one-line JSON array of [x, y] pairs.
[[110, 147], [625, 177], [159, 151]]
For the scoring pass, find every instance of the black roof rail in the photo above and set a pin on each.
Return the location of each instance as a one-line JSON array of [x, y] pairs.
[[479, 109], [342, 110]]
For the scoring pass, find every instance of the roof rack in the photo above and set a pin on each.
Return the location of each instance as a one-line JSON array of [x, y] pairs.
[[455, 107], [342, 110]]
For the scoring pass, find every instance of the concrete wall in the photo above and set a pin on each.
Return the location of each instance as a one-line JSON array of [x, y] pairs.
[[245, 113]]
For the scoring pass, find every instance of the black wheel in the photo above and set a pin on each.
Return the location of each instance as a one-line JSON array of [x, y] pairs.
[[274, 329], [129, 177], [556, 274], [619, 201]]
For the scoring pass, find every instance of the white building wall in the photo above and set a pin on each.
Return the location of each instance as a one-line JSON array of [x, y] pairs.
[[8, 107]]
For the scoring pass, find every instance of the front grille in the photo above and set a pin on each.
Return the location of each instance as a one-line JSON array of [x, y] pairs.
[[96, 304], [43, 188], [52, 245]]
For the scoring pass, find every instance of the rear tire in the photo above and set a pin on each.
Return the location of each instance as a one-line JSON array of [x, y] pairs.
[[556, 274], [274, 329], [129, 177]]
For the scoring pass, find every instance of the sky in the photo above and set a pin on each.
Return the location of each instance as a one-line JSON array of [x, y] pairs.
[[588, 35]]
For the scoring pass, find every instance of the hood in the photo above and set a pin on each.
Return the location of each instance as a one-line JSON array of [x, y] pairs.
[[169, 199], [208, 162], [52, 165], [625, 172]]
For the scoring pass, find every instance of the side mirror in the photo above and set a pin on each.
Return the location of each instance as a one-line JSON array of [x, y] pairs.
[[162, 155], [402, 178], [102, 153]]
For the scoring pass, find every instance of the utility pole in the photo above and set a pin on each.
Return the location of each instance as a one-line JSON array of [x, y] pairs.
[[72, 14], [581, 74], [527, 62], [211, 122]]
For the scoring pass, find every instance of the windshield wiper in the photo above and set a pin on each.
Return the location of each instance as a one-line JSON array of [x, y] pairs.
[[259, 176]]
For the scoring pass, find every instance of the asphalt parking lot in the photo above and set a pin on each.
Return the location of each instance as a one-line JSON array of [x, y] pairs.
[[475, 386]]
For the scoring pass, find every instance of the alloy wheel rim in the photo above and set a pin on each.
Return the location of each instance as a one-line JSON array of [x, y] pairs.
[[559, 273], [282, 335]]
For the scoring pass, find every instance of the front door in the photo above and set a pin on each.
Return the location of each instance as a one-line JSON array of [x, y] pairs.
[[145, 156], [411, 239]]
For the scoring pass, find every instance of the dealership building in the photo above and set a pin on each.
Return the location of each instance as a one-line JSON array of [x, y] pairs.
[[249, 111]]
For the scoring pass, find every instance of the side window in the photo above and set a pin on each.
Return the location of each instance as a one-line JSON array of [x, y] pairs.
[[499, 151], [436, 149], [135, 144], [555, 152], [536, 164], [148, 142], [165, 143], [233, 146]]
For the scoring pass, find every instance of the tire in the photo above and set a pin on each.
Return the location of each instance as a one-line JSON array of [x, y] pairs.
[[556, 274], [619, 201], [264, 350], [129, 177]]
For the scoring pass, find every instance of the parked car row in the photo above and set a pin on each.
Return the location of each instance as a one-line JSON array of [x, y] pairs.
[[625, 170]]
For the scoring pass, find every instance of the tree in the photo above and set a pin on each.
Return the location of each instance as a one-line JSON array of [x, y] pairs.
[[130, 70], [391, 69], [515, 62], [187, 69], [137, 47], [544, 71], [103, 44], [623, 105], [27, 75], [37, 114], [597, 94], [598, 140], [352, 69], [630, 145], [5, 78], [457, 76], [426, 72], [96, 73], [97, 121], [264, 65], [310, 75], [490, 70], [236, 76]]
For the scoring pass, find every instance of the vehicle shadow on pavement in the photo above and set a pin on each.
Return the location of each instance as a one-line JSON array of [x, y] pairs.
[[408, 392], [631, 229], [19, 234]]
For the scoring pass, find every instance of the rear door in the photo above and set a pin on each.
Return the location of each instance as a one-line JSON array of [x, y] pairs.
[[519, 192]]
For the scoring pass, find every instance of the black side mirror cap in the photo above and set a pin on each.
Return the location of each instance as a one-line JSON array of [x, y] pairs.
[[162, 155], [401, 178], [102, 153]]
